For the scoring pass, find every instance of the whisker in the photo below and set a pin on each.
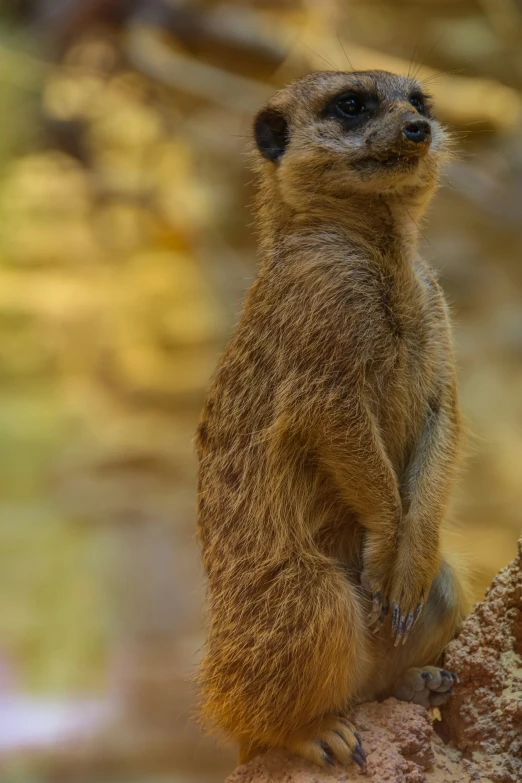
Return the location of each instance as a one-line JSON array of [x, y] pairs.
[[413, 58], [344, 51], [328, 62], [442, 73], [432, 49]]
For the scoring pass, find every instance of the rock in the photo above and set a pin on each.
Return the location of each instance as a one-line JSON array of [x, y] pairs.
[[485, 716], [400, 745], [480, 736]]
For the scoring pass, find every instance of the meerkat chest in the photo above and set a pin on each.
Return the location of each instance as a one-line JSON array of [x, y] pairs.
[[413, 327], [409, 357], [411, 306]]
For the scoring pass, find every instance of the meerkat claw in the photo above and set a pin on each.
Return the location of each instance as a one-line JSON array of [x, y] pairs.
[[376, 610], [447, 680], [359, 749], [400, 631], [359, 760], [408, 626], [403, 624], [358, 755], [380, 620], [417, 613], [328, 755], [395, 619]]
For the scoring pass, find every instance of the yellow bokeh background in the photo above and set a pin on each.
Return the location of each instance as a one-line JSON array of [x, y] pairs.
[[126, 245]]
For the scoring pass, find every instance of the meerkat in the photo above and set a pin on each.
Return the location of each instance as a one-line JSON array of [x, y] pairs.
[[329, 439]]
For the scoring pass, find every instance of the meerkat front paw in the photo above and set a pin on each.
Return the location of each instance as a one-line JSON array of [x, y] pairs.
[[410, 590], [329, 741], [376, 577]]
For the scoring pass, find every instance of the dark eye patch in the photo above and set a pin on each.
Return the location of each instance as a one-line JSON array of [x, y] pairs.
[[420, 102], [351, 107]]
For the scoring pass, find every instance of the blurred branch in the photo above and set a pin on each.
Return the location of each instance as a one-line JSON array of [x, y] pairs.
[[147, 51], [504, 17], [219, 29], [506, 21]]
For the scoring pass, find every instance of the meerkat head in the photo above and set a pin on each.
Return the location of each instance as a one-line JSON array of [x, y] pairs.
[[330, 134]]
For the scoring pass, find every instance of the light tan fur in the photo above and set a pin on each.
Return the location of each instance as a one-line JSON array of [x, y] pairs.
[[329, 439]]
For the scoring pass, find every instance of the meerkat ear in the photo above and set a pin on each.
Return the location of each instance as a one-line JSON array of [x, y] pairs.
[[271, 133]]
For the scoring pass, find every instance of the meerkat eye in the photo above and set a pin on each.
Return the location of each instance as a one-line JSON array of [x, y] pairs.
[[349, 106], [417, 101]]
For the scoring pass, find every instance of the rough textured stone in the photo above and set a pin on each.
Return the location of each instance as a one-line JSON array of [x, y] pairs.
[[485, 716], [400, 744]]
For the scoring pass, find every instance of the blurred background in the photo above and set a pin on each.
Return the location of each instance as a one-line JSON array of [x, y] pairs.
[[126, 245]]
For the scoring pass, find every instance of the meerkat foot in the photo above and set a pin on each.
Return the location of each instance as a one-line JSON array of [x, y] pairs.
[[329, 741], [428, 686]]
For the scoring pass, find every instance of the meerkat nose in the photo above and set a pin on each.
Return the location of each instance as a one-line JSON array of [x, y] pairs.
[[417, 131]]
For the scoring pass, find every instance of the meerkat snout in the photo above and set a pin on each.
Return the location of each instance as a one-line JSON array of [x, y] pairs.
[[418, 132]]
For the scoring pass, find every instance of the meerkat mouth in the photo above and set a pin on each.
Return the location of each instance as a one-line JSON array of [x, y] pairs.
[[389, 162], [395, 161]]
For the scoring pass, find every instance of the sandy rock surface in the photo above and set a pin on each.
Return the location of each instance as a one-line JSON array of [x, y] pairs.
[[480, 736], [400, 745], [485, 716]]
